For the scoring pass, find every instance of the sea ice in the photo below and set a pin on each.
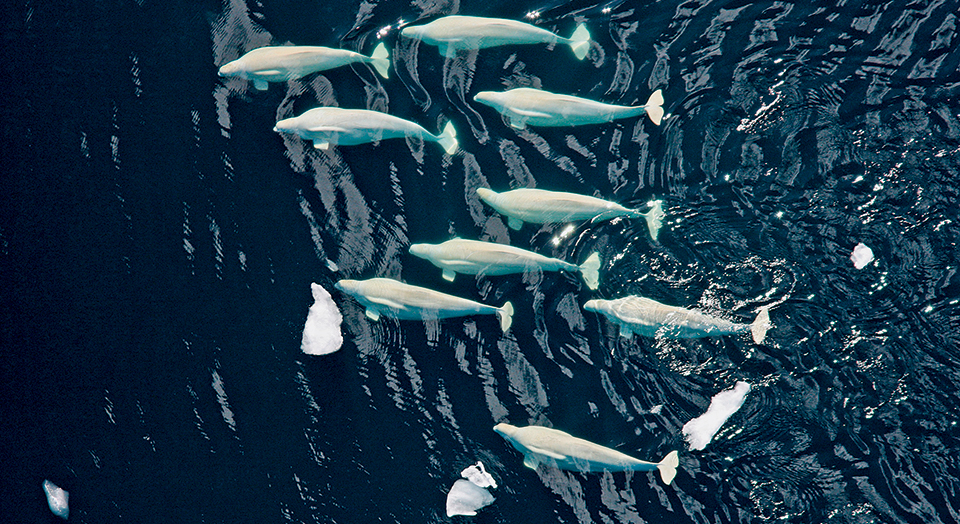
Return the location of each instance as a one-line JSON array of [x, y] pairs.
[[465, 498], [479, 476], [862, 255], [56, 499], [321, 333], [700, 431]]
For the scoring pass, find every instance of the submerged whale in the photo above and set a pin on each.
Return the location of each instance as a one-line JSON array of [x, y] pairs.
[[457, 33], [561, 450], [282, 63], [327, 126], [472, 257], [525, 106], [650, 318], [391, 298], [543, 207]]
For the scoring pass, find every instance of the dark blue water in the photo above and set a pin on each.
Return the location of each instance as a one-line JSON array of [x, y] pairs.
[[158, 241]]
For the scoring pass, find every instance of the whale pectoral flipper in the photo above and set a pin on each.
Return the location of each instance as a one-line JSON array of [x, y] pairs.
[[260, 85], [372, 314], [321, 145], [449, 275], [514, 223], [514, 122], [530, 461]]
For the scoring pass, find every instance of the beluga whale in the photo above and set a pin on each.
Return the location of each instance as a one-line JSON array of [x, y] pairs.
[[332, 126], [552, 447], [283, 63], [541, 206], [395, 299], [460, 33], [649, 318], [472, 257], [523, 106]]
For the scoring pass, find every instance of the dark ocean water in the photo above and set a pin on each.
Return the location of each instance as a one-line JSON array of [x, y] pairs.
[[158, 241]]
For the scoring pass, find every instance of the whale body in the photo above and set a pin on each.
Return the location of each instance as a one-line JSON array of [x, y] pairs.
[[543, 207], [552, 447], [282, 63], [472, 257], [457, 33], [649, 318], [327, 126], [392, 298], [523, 106]]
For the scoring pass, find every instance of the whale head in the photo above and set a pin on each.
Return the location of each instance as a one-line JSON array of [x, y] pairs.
[[505, 430], [287, 125], [231, 69], [350, 287], [421, 250], [489, 98], [486, 194], [412, 31]]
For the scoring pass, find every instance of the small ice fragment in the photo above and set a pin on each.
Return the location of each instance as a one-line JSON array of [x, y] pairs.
[[862, 255], [479, 476], [321, 333], [656, 409], [56, 499], [700, 431], [465, 498]]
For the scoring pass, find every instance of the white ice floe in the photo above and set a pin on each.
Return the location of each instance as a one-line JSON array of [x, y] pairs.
[[321, 333], [862, 255], [700, 431], [479, 476], [56, 499], [467, 496]]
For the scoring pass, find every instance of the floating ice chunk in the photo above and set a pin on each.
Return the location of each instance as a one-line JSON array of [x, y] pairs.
[[700, 431], [56, 499], [465, 498], [321, 333], [479, 476], [862, 255]]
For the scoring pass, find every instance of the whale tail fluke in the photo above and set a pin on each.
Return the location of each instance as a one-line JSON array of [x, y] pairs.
[[760, 326], [505, 314], [381, 60], [448, 139], [654, 218], [668, 467], [580, 42], [590, 271], [654, 107]]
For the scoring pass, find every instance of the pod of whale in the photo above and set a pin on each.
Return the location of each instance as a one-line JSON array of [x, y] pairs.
[[327, 126], [458, 33], [472, 257], [282, 63], [523, 106], [552, 447], [649, 318], [540, 206], [392, 298]]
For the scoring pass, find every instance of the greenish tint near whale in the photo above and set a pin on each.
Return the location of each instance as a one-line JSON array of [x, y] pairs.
[[552, 447], [472, 257], [283, 63], [331, 126], [460, 33], [540, 206], [394, 299], [523, 106], [649, 318]]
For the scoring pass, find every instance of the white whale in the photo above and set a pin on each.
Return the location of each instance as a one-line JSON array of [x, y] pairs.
[[457, 33], [561, 450], [282, 63], [472, 257], [540, 206], [327, 126], [391, 298], [523, 106], [649, 318]]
